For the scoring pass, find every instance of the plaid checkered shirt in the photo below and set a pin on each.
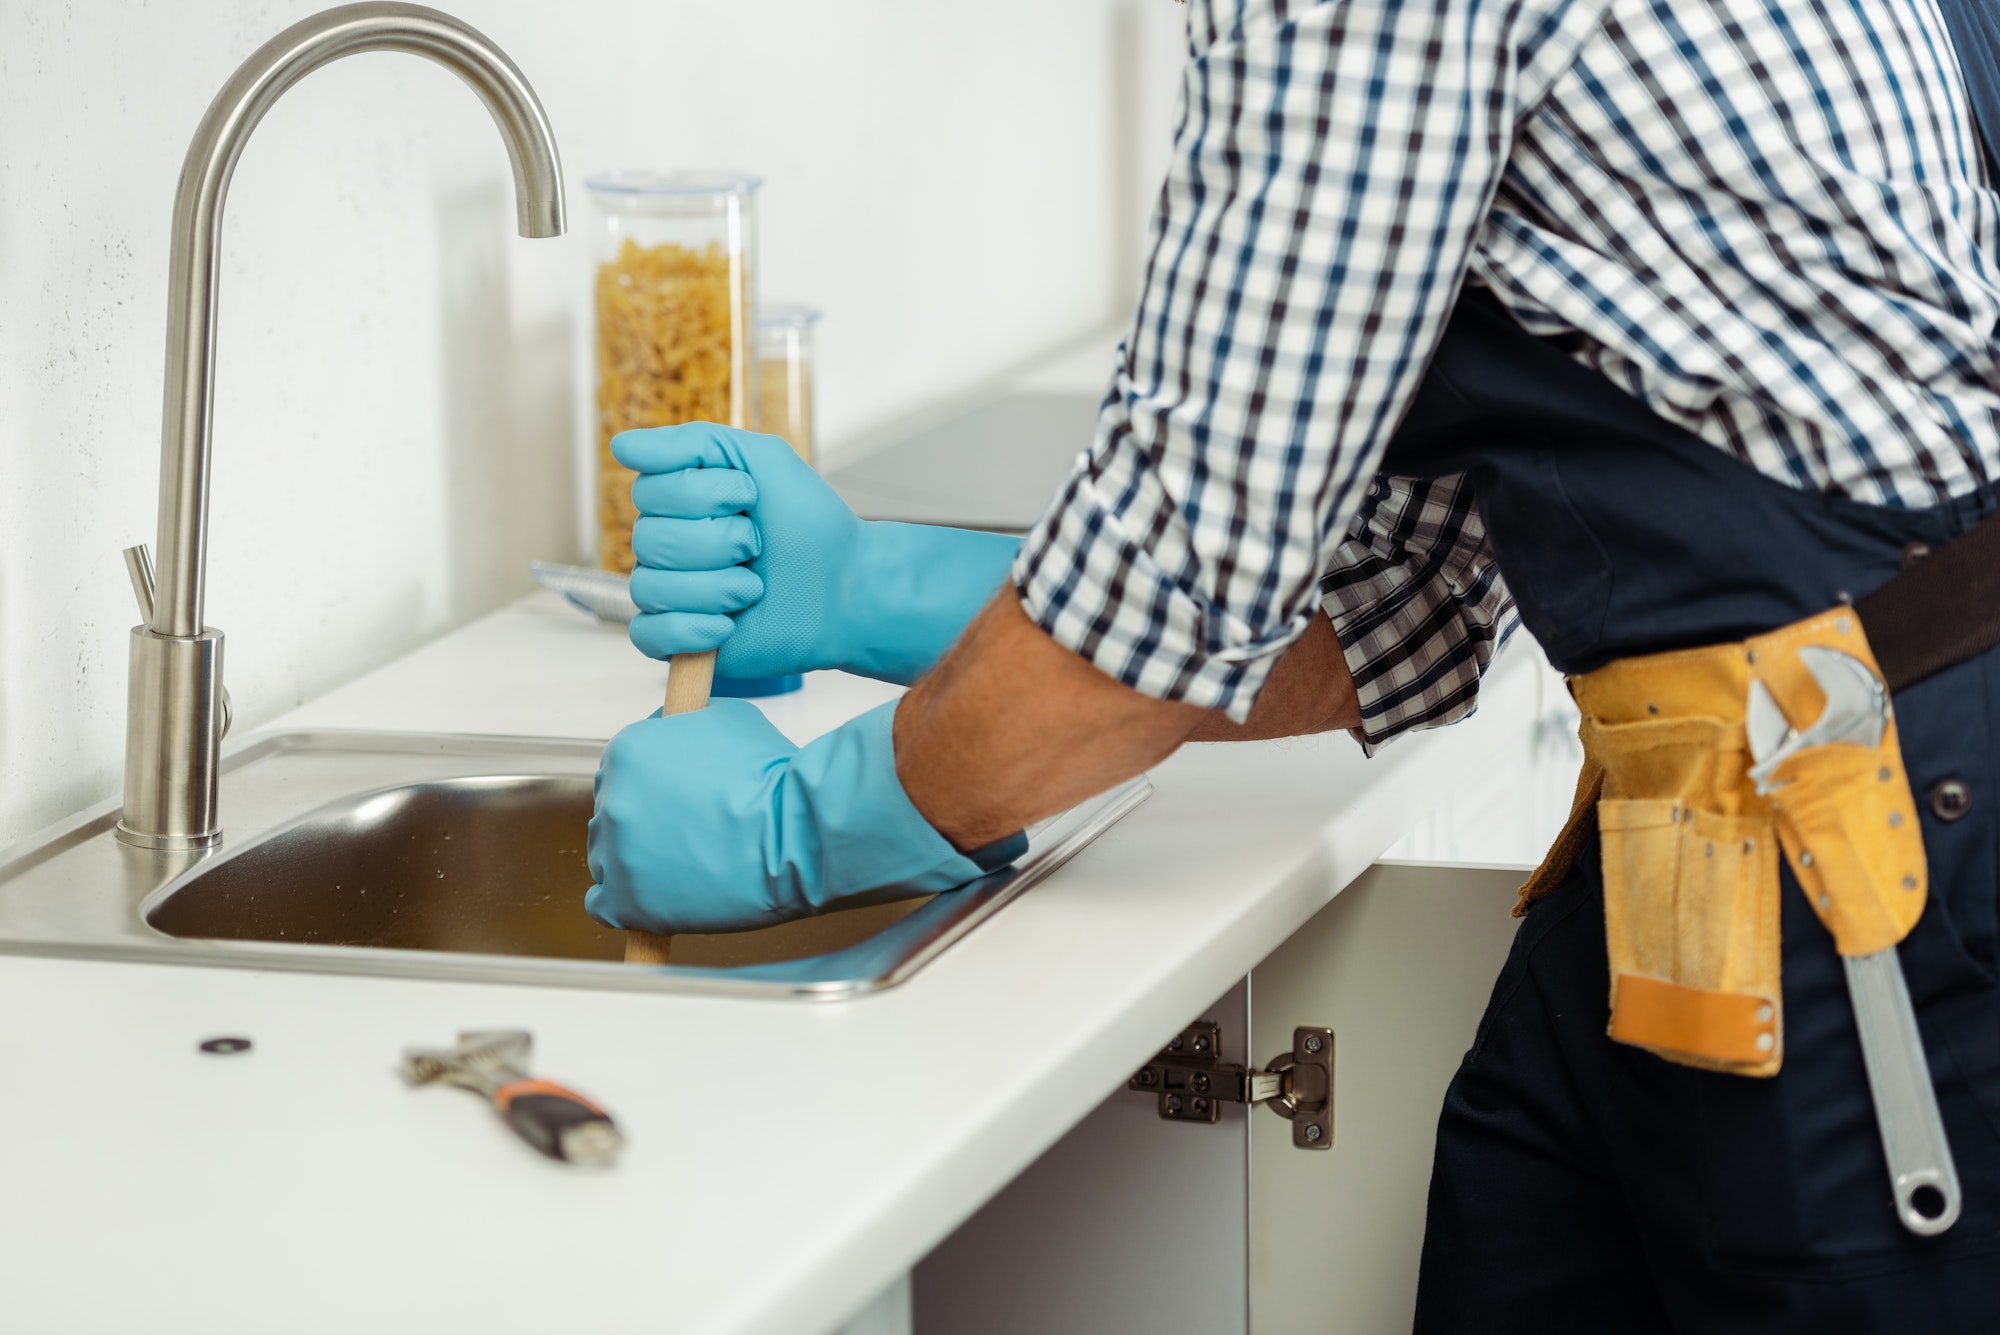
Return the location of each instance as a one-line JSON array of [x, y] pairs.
[[1767, 220]]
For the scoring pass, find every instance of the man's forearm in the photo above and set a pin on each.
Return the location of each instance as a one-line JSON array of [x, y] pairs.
[[1011, 727], [1311, 690]]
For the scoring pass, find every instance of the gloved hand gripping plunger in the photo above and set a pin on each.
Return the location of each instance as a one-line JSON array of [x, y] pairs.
[[689, 677]]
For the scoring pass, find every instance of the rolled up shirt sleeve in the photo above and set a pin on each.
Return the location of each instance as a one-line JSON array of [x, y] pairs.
[[1418, 604], [1332, 166]]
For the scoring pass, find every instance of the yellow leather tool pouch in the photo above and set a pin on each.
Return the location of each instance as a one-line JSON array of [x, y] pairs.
[[1690, 896], [1843, 811], [1848, 822], [1690, 849]]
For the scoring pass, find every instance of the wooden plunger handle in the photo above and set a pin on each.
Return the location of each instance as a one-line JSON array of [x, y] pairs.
[[689, 677]]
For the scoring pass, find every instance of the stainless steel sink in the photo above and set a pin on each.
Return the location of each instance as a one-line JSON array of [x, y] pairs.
[[440, 856]]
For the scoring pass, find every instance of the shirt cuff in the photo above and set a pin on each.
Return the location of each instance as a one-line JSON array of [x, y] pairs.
[[1415, 657], [1110, 600]]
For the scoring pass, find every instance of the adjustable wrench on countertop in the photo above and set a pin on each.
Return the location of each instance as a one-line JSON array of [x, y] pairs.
[[1922, 1175], [493, 1063]]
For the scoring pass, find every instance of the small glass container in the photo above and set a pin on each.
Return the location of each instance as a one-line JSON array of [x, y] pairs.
[[785, 373], [784, 408], [676, 309]]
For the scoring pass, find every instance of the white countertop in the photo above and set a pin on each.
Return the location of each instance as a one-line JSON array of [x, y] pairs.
[[786, 1160]]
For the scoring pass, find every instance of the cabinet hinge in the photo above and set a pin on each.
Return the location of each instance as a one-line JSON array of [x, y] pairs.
[[1192, 1085]]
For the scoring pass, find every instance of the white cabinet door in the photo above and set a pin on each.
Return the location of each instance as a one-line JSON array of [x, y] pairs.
[[888, 1314], [1399, 966], [1127, 1224], [1134, 1224]]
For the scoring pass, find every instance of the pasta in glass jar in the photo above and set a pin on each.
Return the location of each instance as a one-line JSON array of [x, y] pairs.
[[676, 318]]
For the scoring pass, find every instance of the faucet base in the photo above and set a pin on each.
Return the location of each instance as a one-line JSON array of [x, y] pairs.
[[169, 843], [173, 740]]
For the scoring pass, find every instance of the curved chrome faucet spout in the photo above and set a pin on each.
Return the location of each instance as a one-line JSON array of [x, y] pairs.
[[173, 734], [211, 158]]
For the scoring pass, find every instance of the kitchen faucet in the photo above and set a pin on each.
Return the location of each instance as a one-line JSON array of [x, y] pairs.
[[175, 703]]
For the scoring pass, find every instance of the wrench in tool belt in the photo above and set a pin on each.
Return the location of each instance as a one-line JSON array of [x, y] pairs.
[[1921, 1173]]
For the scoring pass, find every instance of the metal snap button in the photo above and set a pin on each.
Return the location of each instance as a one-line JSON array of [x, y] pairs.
[[1914, 553], [1950, 799]]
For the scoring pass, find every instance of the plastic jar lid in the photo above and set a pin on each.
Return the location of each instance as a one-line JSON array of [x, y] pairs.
[[636, 187]]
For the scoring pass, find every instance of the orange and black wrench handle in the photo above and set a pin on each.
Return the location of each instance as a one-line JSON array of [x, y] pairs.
[[559, 1122]]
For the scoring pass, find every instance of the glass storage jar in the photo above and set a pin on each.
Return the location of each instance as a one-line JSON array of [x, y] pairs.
[[676, 308], [785, 373]]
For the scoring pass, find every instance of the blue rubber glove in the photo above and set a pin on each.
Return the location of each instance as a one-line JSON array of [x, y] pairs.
[[741, 546], [714, 822]]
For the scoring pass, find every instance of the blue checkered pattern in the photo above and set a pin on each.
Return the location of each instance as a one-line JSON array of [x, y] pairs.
[[1768, 220]]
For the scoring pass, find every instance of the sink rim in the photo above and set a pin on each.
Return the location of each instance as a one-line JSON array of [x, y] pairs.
[[882, 961]]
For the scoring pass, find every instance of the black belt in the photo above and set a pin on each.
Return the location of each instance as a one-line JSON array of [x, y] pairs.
[[1943, 609]]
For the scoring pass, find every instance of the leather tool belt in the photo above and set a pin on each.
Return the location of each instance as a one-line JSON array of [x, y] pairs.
[[1690, 847]]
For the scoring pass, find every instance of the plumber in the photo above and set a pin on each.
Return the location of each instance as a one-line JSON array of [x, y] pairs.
[[1667, 329]]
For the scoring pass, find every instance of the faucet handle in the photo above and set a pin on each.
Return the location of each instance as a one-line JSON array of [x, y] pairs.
[[139, 565]]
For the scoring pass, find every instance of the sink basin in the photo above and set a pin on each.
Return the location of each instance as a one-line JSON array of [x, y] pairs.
[[491, 864], [449, 857]]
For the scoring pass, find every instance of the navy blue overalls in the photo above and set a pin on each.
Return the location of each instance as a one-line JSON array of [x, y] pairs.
[[1581, 1184]]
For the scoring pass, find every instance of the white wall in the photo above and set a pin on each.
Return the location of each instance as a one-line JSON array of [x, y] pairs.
[[959, 185]]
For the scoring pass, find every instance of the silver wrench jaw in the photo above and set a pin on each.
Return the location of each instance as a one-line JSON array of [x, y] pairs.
[[1857, 712], [1771, 735], [483, 1061], [1921, 1171]]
